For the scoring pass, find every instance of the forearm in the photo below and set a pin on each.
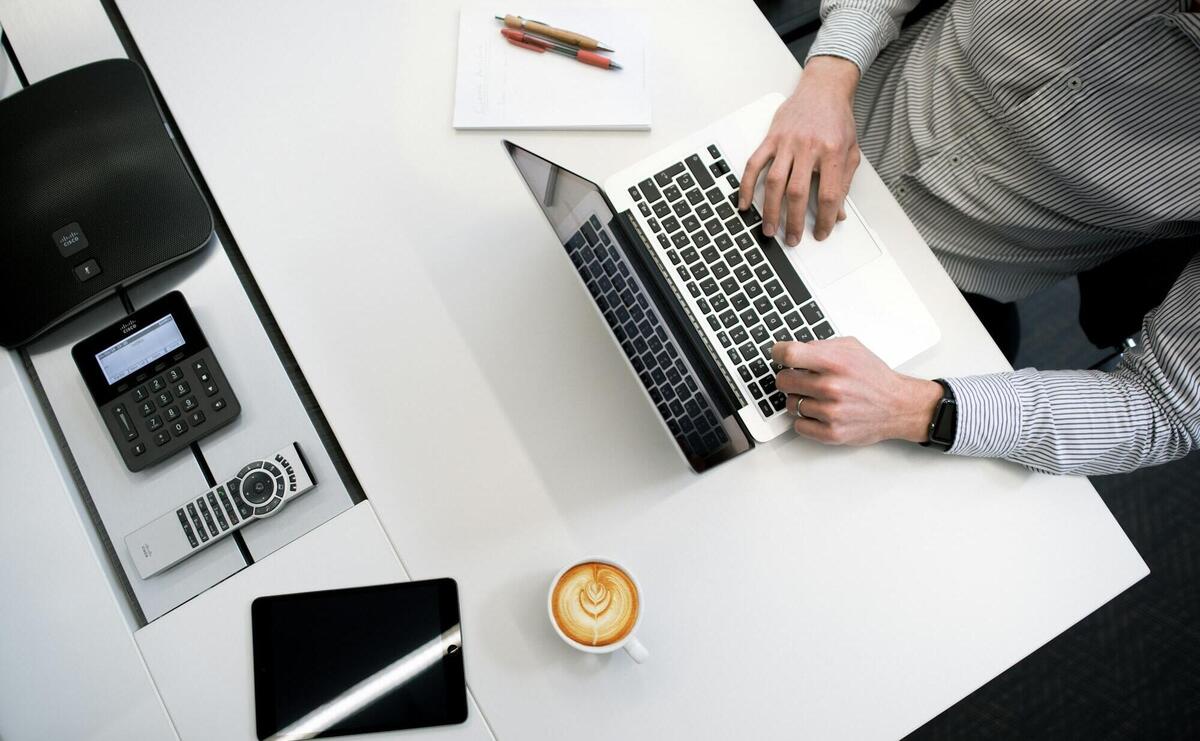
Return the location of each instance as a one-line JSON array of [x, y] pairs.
[[857, 30]]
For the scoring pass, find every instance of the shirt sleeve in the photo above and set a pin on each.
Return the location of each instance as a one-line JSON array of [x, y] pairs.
[[1145, 412], [858, 29]]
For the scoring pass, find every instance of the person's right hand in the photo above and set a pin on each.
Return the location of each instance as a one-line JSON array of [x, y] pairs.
[[812, 132]]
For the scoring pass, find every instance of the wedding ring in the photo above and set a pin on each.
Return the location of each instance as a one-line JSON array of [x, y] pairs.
[[799, 401]]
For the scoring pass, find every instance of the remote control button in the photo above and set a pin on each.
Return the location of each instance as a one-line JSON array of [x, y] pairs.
[[191, 509], [248, 468], [172, 413], [257, 487], [208, 520], [154, 423], [190, 403], [140, 394], [197, 418], [164, 398], [218, 405], [210, 388], [157, 384], [229, 510], [181, 389], [216, 509], [235, 493], [139, 449], [187, 528], [268, 507], [147, 408], [162, 438], [175, 375], [179, 427], [271, 469]]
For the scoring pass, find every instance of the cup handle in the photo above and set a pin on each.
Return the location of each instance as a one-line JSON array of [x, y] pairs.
[[636, 650]]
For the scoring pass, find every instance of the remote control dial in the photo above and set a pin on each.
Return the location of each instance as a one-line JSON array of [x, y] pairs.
[[257, 487]]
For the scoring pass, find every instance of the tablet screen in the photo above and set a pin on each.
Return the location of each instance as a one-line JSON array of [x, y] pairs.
[[358, 660]]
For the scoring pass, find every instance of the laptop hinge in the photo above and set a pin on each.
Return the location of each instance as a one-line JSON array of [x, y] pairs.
[[714, 376]]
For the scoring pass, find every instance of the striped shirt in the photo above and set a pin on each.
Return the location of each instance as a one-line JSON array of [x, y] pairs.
[[1028, 141]]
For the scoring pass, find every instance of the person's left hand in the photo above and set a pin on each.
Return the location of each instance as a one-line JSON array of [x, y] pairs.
[[848, 396]]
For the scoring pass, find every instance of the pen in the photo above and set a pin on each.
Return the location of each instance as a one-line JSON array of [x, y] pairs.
[[558, 34], [533, 43]]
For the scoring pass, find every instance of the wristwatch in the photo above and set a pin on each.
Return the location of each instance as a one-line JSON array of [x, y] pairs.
[[945, 420]]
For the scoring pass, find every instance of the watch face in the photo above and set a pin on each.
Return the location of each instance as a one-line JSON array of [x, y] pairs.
[[945, 423]]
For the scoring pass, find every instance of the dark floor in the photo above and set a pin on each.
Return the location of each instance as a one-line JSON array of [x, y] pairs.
[[1130, 670]]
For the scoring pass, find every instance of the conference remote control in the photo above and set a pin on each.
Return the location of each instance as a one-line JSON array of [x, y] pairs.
[[259, 490]]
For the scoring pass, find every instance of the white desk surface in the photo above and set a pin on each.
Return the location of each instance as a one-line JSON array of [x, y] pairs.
[[797, 591]]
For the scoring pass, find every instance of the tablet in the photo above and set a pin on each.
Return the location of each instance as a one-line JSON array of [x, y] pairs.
[[378, 658]]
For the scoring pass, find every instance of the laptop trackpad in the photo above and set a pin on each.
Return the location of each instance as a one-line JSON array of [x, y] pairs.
[[847, 248]]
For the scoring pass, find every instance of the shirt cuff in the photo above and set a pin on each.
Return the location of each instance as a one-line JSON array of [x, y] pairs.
[[853, 34], [989, 415]]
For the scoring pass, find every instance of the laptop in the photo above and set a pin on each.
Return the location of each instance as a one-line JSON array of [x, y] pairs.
[[695, 295]]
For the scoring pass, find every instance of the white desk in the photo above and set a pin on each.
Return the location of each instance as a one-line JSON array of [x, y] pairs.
[[796, 591]]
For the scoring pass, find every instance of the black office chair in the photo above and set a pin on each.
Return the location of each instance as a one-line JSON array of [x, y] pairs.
[[1115, 296]]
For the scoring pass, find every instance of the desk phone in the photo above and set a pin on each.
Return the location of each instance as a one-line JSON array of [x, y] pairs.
[[156, 382]]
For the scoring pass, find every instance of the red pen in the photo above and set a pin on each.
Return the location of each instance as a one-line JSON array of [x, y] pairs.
[[538, 44]]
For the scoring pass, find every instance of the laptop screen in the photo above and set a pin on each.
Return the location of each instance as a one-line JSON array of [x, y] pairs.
[[617, 280]]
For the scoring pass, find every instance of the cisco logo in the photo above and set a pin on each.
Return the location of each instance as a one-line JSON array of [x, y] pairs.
[[129, 326], [70, 239]]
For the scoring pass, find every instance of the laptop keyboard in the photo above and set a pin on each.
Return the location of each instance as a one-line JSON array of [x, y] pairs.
[[653, 352], [745, 289]]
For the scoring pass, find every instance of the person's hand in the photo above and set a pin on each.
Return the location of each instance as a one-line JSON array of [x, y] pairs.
[[848, 396], [812, 132]]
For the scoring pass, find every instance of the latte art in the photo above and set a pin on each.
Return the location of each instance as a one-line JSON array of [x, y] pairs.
[[595, 604]]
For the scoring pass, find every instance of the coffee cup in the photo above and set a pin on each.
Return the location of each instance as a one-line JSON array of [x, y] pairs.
[[595, 605]]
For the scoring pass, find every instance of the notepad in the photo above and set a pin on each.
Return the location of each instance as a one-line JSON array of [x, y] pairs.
[[501, 86]]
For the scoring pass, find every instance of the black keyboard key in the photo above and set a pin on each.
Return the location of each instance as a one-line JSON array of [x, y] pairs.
[[661, 209], [694, 290], [694, 196], [644, 209], [744, 372], [773, 288], [779, 401], [755, 391], [753, 289], [704, 307], [782, 335], [672, 193], [710, 255], [733, 181], [691, 223], [764, 272], [704, 211], [804, 335], [679, 239], [673, 256], [758, 367], [683, 273], [784, 304], [729, 285], [748, 351], [682, 209], [701, 239], [719, 303], [734, 225], [763, 304], [724, 242], [733, 257], [754, 257], [812, 313], [751, 216], [742, 273], [733, 355], [635, 194], [713, 151], [689, 255], [671, 224], [685, 181], [765, 407], [699, 171], [720, 270], [723, 339], [749, 318], [662, 239], [714, 195], [709, 287], [765, 349], [739, 301], [823, 331], [664, 178], [738, 334], [759, 334], [729, 319], [773, 321], [650, 190], [713, 322], [712, 226], [653, 222], [744, 240], [700, 270]]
